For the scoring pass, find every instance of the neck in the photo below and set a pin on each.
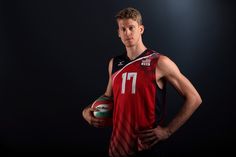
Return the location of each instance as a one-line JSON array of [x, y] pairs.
[[135, 51]]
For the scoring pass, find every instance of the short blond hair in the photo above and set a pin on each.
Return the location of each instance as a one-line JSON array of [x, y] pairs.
[[129, 13]]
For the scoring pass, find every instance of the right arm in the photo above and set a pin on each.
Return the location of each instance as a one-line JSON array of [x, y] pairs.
[[109, 85], [88, 111]]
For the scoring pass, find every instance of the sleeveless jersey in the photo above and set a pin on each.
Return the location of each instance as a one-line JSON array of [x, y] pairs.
[[138, 101]]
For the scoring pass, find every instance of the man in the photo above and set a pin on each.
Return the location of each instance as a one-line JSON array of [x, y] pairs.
[[137, 81]]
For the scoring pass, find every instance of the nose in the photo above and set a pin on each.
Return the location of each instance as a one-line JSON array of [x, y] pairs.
[[127, 32]]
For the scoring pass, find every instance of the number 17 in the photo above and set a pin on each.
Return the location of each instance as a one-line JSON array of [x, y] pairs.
[[124, 78]]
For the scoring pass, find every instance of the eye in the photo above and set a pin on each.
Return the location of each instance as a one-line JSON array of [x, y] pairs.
[[123, 29], [131, 28]]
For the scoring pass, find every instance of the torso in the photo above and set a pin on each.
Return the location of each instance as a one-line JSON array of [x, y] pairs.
[[138, 101]]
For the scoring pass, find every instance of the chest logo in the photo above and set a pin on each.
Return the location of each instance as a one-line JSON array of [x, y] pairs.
[[146, 62], [121, 63]]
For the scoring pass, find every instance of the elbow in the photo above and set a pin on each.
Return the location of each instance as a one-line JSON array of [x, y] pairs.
[[197, 100]]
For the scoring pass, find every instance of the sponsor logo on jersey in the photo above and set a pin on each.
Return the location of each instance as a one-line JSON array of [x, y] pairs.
[[146, 62], [121, 63]]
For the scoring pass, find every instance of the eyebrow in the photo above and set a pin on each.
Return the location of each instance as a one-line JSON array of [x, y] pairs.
[[128, 26]]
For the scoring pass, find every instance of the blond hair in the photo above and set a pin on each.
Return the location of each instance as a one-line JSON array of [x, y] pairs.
[[129, 13]]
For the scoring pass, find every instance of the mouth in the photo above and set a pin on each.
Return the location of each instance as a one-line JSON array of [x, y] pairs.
[[128, 39]]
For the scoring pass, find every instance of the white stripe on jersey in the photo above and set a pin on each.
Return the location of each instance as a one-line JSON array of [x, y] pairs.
[[131, 63]]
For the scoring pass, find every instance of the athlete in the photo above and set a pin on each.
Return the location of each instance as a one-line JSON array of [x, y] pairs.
[[137, 84]]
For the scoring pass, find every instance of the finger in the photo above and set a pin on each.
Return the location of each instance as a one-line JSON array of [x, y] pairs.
[[149, 140], [97, 120], [153, 143], [92, 109], [97, 125], [146, 135], [145, 131]]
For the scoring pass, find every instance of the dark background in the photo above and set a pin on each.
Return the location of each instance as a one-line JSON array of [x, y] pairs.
[[53, 62]]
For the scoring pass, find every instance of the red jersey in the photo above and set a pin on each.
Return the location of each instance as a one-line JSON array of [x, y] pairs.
[[138, 101]]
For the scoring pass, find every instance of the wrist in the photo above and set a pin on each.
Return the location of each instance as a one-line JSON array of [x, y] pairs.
[[168, 131]]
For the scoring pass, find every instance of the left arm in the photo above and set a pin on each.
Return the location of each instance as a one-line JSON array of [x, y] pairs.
[[169, 71]]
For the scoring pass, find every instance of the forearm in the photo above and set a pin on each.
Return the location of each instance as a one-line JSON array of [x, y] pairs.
[[188, 108]]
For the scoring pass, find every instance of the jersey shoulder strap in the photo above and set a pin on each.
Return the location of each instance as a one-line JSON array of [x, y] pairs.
[[119, 62]]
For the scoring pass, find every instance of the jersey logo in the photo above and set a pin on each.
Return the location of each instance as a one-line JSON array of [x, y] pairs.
[[121, 63], [146, 62]]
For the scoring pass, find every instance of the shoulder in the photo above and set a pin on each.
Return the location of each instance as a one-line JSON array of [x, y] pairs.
[[111, 61], [114, 61], [166, 66], [164, 61]]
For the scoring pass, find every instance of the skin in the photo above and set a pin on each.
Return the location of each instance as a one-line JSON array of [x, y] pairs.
[[130, 33]]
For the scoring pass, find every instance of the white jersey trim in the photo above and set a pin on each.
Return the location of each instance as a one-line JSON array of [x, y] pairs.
[[129, 64]]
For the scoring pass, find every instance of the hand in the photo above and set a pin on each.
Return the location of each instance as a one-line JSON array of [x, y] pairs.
[[152, 136], [93, 121]]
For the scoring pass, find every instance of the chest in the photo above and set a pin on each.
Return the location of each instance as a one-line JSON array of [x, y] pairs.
[[134, 76]]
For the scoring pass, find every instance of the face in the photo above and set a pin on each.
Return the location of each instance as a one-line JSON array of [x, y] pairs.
[[130, 32]]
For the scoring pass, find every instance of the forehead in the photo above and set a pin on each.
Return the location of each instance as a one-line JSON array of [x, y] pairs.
[[126, 22]]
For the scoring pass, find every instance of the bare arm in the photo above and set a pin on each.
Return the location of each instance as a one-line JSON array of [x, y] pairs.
[[109, 85], [88, 111], [169, 71]]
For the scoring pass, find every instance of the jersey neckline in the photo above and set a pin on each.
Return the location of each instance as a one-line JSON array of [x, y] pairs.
[[139, 56]]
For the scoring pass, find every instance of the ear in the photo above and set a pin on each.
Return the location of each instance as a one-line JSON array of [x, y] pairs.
[[141, 29]]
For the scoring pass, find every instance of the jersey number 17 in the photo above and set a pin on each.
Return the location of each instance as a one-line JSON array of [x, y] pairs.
[[127, 76]]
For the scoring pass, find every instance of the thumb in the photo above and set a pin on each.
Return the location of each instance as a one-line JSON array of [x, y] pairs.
[[92, 109]]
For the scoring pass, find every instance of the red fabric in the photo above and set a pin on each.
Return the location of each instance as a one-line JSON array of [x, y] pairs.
[[134, 104]]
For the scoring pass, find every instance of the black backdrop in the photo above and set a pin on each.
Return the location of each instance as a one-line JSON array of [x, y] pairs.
[[54, 57]]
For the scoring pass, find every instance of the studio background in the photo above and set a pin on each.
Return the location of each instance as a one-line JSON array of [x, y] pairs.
[[53, 62]]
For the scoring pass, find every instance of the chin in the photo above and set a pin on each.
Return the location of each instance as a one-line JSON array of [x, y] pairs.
[[129, 44]]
